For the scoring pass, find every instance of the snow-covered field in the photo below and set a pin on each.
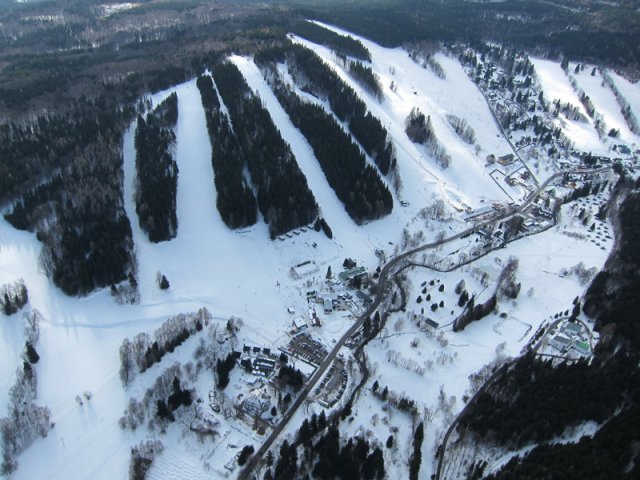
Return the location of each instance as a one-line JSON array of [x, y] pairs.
[[630, 91], [556, 86], [604, 101], [246, 275], [466, 180]]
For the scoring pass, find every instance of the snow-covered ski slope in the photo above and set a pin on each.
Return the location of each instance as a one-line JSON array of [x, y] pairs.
[[630, 91], [604, 101], [466, 179], [556, 86], [243, 273]]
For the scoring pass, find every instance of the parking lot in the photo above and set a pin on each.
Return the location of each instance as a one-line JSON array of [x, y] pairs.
[[306, 348], [333, 385]]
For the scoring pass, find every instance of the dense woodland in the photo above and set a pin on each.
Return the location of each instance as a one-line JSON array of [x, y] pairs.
[[157, 171], [235, 199], [613, 296], [582, 392], [283, 195], [517, 409], [420, 130], [612, 29], [74, 162], [343, 45], [364, 75], [356, 184], [313, 75], [327, 456], [604, 456]]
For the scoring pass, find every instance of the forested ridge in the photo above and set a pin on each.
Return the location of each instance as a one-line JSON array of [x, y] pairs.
[[357, 185], [312, 74], [235, 199], [535, 401], [341, 44], [157, 171], [74, 162], [611, 28], [283, 195]]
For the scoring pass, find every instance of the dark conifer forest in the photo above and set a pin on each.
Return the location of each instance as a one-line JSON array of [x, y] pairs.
[[157, 171], [312, 74], [357, 185], [235, 199], [74, 163], [284, 197], [534, 401], [364, 75], [342, 45]]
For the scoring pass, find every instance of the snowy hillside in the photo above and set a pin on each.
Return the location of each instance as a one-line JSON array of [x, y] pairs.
[[272, 285]]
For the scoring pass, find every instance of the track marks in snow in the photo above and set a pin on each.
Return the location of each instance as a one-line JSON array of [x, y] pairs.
[[416, 86]]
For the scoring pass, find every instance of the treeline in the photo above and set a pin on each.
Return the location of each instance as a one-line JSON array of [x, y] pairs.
[[473, 312], [517, 409], [144, 350], [365, 77], [625, 107], [462, 129], [343, 45], [423, 54], [328, 457], [90, 245], [13, 297], [420, 130], [157, 171], [612, 296], [235, 199], [290, 376], [283, 195], [160, 403], [76, 160], [50, 142], [506, 287], [612, 42], [608, 454], [356, 184], [25, 421], [312, 74]]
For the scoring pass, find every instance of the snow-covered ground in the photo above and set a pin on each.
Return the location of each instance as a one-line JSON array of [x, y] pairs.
[[246, 275], [466, 179], [604, 101], [556, 86], [448, 358], [630, 91]]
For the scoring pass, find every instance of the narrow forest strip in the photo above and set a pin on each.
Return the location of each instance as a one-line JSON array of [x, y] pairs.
[[157, 171], [341, 44], [235, 200], [284, 197], [312, 74], [356, 183]]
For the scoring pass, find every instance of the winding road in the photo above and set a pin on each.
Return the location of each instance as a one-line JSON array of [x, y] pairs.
[[383, 278]]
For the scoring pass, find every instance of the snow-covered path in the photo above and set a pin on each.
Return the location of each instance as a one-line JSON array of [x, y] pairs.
[[332, 209], [555, 86], [416, 86], [604, 101]]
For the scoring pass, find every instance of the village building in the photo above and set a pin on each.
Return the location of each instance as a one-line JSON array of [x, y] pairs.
[[560, 343]]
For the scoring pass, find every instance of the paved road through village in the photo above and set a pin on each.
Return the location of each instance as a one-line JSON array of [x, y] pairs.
[[386, 271]]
